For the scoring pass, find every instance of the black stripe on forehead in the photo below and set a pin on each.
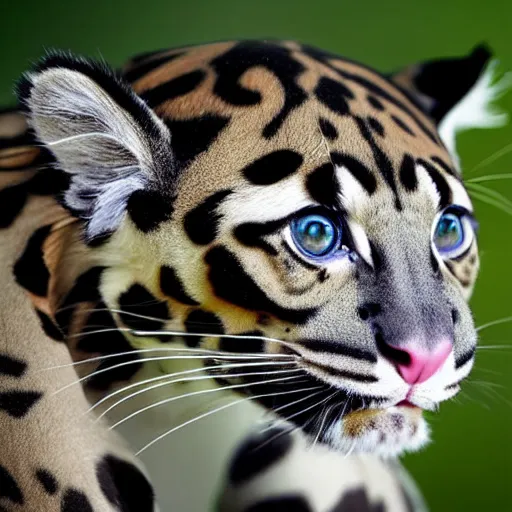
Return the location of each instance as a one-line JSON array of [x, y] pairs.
[[323, 186], [274, 167], [441, 163], [251, 234], [360, 172], [442, 186], [231, 283], [407, 173]]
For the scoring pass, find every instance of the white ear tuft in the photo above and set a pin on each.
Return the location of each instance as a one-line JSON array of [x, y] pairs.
[[477, 109]]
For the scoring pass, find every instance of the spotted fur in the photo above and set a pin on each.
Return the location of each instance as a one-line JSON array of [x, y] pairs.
[[169, 189]]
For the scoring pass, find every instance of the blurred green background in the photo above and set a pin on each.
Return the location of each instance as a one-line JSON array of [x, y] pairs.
[[469, 464]]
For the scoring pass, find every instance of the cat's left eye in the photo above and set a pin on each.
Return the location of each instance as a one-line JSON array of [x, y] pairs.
[[453, 233]]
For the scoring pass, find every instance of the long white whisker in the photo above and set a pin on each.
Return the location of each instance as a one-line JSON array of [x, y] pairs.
[[494, 322], [186, 379], [201, 392], [487, 161], [209, 413]]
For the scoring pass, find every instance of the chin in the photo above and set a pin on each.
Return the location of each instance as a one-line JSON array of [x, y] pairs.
[[388, 432]]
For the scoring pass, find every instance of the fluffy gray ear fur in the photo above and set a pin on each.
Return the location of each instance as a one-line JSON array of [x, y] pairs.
[[458, 93], [102, 134]]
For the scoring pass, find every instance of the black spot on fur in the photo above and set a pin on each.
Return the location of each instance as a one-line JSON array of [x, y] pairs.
[[148, 209], [273, 167], [445, 166], [12, 367], [230, 282], [12, 201], [407, 173], [374, 102], [328, 130], [50, 329], [251, 234], [75, 501], [110, 341], [174, 88], [230, 67], [455, 315], [171, 285], [85, 289], [376, 126], [30, 270], [124, 485], [258, 453], [357, 500], [334, 95], [143, 68], [199, 322], [281, 504], [201, 223], [139, 301], [18, 403], [399, 122], [250, 345], [360, 172], [464, 358], [190, 137], [369, 310], [434, 263], [48, 481], [323, 187], [9, 489], [49, 182], [444, 190]]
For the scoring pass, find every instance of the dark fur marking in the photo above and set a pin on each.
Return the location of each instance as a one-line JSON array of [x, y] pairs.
[[124, 485], [143, 68], [174, 88], [9, 489], [444, 190], [48, 481], [231, 283], [171, 285], [190, 137], [374, 102], [434, 263], [323, 187], [109, 342], [450, 170], [49, 327], [12, 201], [259, 453], [402, 125], [251, 234], [297, 258], [346, 374], [328, 130], [334, 95], [243, 346], [148, 209], [407, 173], [274, 167], [140, 301], [86, 289], [49, 182], [464, 358], [231, 65], [201, 223], [286, 503], [18, 403], [360, 172], [75, 501], [12, 367], [375, 125], [30, 270], [335, 347], [455, 316], [202, 322], [357, 500]]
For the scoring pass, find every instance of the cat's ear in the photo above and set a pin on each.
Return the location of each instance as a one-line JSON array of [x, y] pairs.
[[457, 93], [102, 134]]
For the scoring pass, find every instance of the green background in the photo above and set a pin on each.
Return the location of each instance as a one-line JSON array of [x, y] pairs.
[[469, 464]]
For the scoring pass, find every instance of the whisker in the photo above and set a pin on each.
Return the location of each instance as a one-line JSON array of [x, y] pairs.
[[493, 347], [195, 393], [494, 322], [495, 156], [489, 177], [209, 413], [186, 379]]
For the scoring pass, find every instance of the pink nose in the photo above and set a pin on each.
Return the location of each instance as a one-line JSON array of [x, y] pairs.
[[423, 364]]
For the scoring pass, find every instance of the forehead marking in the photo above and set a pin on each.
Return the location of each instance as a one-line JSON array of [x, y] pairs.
[[273, 167], [438, 184]]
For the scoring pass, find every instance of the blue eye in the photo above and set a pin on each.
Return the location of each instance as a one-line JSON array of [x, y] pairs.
[[315, 235], [449, 234]]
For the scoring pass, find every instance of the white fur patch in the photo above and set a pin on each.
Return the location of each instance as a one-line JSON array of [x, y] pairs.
[[476, 109]]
